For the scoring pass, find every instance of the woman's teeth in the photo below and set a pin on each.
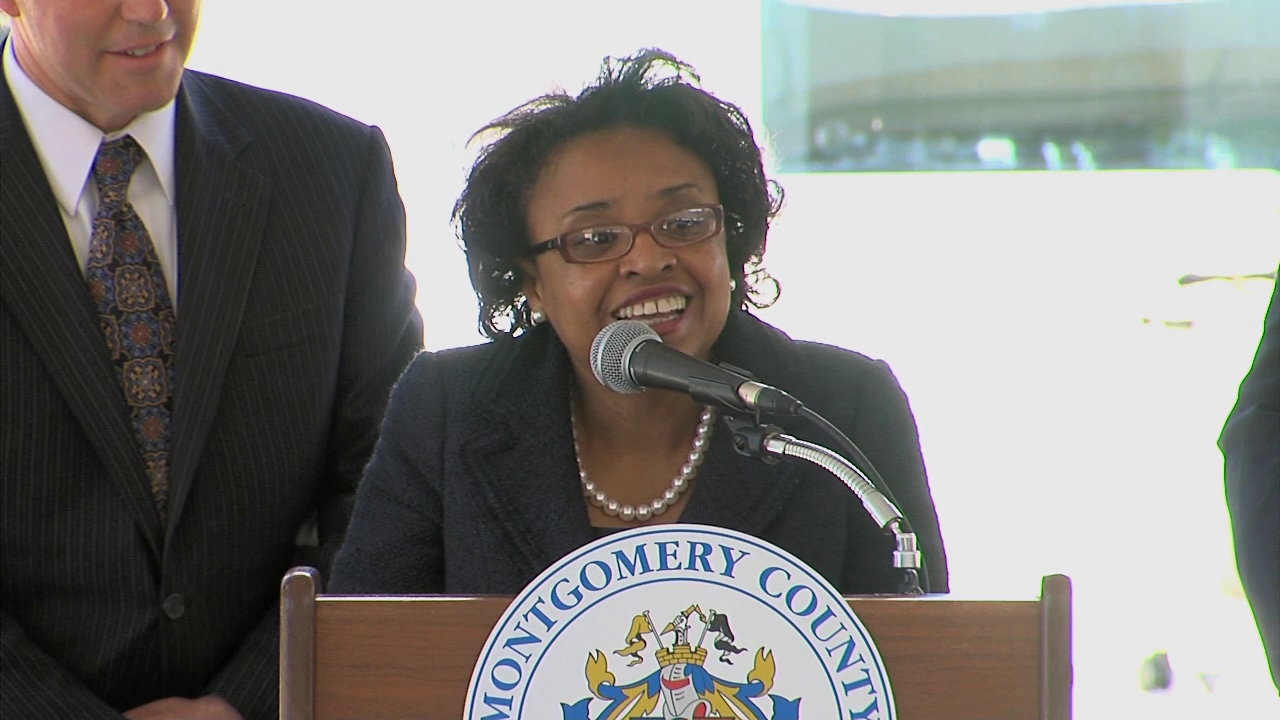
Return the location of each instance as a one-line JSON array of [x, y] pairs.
[[649, 308], [142, 51]]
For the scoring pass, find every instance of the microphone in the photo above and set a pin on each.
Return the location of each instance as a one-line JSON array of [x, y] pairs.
[[628, 356]]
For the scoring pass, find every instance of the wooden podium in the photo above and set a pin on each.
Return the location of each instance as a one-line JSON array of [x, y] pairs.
[[395, 658]]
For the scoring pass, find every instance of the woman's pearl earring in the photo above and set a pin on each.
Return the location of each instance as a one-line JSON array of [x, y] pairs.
[[733, 285], [537, 317]]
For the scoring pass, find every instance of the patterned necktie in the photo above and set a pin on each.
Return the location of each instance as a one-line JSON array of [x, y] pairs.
[[134, 310]]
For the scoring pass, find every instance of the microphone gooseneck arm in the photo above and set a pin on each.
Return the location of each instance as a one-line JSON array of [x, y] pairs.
[[852, 453], [770, 444]]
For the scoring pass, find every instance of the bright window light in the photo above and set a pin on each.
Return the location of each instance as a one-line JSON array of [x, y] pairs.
[[956, 8]]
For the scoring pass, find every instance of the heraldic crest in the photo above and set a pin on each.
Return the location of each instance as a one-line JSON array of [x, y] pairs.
[[682, 687]]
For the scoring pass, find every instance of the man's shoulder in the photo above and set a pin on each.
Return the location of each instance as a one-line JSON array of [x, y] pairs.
[[259, 107]]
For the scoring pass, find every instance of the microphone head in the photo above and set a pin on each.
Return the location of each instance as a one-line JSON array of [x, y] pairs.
[[611, 354]]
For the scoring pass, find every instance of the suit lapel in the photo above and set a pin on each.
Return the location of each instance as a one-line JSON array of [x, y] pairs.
[[521, 451], [221, 212], [43, 287]]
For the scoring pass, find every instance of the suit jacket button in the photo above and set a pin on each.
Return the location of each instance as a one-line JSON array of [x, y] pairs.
[[174, 606]]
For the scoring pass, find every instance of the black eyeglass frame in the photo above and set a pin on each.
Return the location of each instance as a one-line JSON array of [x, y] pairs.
[[558, 242]]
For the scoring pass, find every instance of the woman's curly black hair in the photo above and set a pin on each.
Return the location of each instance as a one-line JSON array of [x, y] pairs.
[[651, 89]]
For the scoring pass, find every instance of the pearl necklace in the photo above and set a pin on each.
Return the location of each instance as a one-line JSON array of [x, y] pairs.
[[659, 505]]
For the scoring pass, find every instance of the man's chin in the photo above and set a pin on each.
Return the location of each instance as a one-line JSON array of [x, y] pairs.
[[144, 100]]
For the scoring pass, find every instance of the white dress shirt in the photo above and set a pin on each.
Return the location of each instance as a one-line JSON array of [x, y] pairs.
[[67, 145]]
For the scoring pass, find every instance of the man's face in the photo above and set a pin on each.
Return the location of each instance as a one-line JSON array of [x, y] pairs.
[[108, 61]]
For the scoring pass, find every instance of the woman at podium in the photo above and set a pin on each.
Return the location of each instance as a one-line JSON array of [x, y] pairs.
[[641, 198]]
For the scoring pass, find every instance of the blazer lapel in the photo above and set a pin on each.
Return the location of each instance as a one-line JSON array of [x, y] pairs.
[[522, 455], [41, 284], [221, 211]]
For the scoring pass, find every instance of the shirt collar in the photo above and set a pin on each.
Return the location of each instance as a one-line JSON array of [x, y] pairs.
[[67, 143]]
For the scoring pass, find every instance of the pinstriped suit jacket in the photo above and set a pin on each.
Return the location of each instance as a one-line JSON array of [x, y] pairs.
[[295, 318]]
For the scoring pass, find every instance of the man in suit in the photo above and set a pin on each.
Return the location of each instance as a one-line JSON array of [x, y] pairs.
[[1250, 445], [203, 307]]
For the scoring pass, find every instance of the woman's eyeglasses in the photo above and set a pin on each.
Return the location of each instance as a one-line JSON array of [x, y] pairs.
[[610, 242]]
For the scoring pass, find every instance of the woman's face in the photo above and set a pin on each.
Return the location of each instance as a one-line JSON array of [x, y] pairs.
[[627, 175]]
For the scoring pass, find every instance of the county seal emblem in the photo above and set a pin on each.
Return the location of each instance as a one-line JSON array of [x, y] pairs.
[[678, 622]]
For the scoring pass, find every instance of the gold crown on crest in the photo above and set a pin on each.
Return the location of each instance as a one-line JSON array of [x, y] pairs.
[[680, 654]]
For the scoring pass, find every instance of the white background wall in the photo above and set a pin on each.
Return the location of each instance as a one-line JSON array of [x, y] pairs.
[[1067, 411]]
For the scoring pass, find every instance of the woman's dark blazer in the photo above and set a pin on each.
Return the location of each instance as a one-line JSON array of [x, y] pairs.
[[474, 486]]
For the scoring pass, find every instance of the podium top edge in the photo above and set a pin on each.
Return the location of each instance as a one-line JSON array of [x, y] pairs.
[[939, 598]]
